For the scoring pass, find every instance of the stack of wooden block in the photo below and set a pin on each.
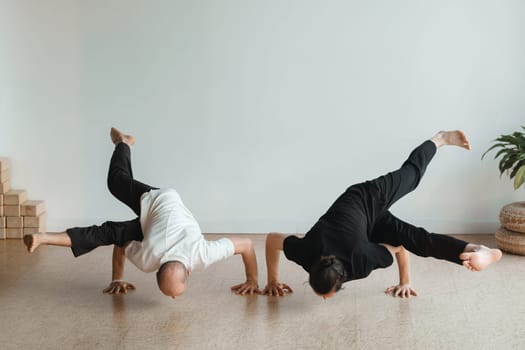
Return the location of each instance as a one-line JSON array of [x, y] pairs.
[[18, 216]]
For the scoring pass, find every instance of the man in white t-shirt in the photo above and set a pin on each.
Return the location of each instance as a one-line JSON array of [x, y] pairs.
[[165, 237]]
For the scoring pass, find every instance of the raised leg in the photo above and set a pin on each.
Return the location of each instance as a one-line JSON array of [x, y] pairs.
[[393, 231], [33, 241], [85, 239], [396, 184], [120, 175], [82, 240]]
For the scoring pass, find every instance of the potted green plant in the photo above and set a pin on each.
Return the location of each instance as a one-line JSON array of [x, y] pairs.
[[511, 150]]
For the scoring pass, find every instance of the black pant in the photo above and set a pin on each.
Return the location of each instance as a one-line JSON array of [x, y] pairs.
[[389, 229], [122, 185]]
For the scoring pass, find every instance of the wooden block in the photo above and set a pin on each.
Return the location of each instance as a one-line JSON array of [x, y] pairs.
[[14, 222], [1, 210], [4, 163], [1, 200], [35, 221], [4, 175], [5, 186], [14, 197], [2, 227], [11, 210], [32, 208], [15, 233]]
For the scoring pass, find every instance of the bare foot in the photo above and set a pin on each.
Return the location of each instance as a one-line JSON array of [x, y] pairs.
[[453, 138], [477, 258], [32, 242], [117, 137]]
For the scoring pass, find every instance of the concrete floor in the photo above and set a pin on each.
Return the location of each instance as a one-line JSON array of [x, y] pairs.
[[49, 300]]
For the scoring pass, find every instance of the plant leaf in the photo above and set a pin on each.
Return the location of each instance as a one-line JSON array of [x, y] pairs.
[[516, 168], [492, 147], [520, 177], [501, 151], [507, 138], [502, 162], [508, 160]]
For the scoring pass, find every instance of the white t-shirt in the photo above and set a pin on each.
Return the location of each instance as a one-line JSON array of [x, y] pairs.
[[172, 233]]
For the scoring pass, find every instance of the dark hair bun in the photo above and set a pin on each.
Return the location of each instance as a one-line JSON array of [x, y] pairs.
[[327, 261]]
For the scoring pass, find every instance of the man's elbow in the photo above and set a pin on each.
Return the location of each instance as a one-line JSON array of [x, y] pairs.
[[243, 245]]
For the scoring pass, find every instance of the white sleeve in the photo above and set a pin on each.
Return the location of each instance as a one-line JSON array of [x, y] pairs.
[[135, 255], [214, 251]]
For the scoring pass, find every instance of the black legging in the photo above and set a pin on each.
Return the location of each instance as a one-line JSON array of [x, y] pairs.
[[368, 204], [391, 230], [122, 185]]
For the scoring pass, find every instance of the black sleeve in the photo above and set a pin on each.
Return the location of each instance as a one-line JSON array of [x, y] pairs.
[[368, 257], [302, 251]]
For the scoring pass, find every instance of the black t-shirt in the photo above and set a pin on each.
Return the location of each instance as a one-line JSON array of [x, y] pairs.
[[344, 231]]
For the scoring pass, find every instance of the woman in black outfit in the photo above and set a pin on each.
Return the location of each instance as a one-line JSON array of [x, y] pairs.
[[358, 233]]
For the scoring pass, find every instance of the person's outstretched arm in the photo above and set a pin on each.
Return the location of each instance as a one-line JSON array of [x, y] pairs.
[[274, 245], [118, 285], [244, 246], [403, 289]]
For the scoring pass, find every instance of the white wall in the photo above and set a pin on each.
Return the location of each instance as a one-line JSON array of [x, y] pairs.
[[260, 113]]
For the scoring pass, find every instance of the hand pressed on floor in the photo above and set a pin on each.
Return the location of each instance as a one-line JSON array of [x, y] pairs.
[[276, 289], [401, 290], [119, 287], [248, 287]]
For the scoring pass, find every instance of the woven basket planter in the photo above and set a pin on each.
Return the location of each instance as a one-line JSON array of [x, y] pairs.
[[509, 241], [512, 217]]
